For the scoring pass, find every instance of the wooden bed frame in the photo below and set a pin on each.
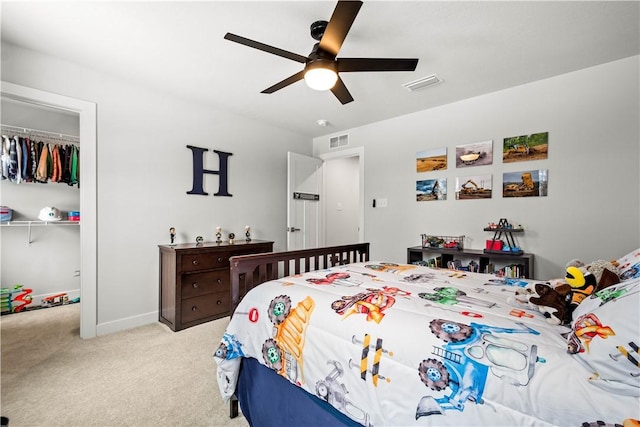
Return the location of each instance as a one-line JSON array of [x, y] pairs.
[[249, 271]]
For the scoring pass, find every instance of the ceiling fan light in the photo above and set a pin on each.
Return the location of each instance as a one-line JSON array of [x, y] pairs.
[[320, 78]]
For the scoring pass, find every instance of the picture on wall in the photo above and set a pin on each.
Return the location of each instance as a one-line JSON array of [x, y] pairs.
[[525, 147], [431, 160], [476, 154], [473, 187], [428, 190], [531, 183]]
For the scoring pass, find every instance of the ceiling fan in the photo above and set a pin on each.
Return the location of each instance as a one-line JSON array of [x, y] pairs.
[[321, 67]]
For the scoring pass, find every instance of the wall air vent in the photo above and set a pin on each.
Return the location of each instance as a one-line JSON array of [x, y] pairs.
[[339, 141], [422, 83]]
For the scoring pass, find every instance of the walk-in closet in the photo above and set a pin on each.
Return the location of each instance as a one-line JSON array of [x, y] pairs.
[[40, 257]]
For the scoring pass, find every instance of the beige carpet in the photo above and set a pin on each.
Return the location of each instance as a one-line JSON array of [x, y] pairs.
[[147, 376]]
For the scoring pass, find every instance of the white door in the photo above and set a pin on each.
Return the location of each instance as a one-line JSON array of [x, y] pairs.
[[304, 194]]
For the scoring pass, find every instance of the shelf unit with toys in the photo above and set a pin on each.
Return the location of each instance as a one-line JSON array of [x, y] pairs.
[[503, 230], [501, 264]]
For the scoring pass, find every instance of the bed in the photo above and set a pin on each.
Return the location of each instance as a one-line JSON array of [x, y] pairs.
[[328, 337]]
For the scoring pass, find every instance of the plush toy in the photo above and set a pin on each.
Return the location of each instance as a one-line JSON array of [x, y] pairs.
[[520, 298], [583, 284], [552, 303], [606, 273]]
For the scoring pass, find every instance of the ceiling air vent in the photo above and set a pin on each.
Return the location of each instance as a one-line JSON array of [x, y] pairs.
[[422, 83], [339, 141]]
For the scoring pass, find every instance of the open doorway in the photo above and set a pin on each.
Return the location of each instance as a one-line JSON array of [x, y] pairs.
[[325, 199], [86, 112], [343, 207]]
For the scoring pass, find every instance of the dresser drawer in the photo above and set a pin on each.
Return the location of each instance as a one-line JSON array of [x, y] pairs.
[[205, 261], [205, 306], [196, 284]]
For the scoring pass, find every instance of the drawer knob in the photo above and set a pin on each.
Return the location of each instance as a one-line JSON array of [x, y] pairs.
[[194, 308], [219, 280], [195, 285], [219, 302], [194, 262], [220, 259]]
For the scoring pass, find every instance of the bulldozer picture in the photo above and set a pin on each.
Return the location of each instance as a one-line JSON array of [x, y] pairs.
[[525, 147]]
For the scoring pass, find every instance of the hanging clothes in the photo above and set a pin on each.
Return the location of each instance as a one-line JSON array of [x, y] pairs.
[[13, 160], [75, 167], [55, 159], [19, 159], [24, 159], [42, 174], [4, 159], [66, 165], [34, 155]]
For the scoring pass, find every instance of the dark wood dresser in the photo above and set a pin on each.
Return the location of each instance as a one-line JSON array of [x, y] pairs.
[[195, 280]]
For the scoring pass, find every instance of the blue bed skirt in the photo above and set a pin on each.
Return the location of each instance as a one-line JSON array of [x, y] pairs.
[[269, 400]]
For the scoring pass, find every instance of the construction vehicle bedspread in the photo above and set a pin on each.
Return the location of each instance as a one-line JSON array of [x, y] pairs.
[[403, 345]]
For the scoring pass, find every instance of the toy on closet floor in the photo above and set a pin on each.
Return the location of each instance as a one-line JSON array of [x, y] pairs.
[[15, 300], [55, 300]]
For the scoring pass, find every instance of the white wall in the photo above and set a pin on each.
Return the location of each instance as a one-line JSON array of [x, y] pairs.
[[592, 209], [145, 170]]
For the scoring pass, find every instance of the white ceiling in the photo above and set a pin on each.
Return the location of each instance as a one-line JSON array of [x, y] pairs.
[[476, 47]]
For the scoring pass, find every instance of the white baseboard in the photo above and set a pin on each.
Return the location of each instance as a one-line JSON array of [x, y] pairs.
[[126, 323]]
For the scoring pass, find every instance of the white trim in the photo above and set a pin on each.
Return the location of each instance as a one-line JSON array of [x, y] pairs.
[[128, 323], [343, 154], [88, 193]]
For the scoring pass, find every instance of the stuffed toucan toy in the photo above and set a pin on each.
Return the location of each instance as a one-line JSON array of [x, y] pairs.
[[582, 285]]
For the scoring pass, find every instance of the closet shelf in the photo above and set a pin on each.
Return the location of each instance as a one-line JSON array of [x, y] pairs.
[[37, 223]]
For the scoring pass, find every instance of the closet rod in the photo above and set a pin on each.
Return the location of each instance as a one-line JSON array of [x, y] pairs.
[[38, 132]]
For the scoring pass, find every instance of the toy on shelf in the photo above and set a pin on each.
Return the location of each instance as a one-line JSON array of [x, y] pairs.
[[442, 242], [496, 245]]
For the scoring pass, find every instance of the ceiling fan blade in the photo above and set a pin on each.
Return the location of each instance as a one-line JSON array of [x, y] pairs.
[[266, 48], [339, 25], [286, 82], [341, 92], [346, 65]]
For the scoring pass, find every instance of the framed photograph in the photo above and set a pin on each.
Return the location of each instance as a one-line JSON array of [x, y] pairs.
[[473, 187], [525, 147], [428, 190], [431, 160], [531, 183], [476, 154]]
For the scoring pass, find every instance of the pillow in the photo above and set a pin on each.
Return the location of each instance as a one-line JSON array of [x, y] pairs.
[[605, 336], [629, 265]]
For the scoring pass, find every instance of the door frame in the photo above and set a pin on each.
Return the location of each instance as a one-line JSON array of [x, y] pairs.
[[88, 192], [343, 154]]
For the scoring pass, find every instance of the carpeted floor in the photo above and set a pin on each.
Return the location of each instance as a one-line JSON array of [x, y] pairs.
[[147, 376]]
